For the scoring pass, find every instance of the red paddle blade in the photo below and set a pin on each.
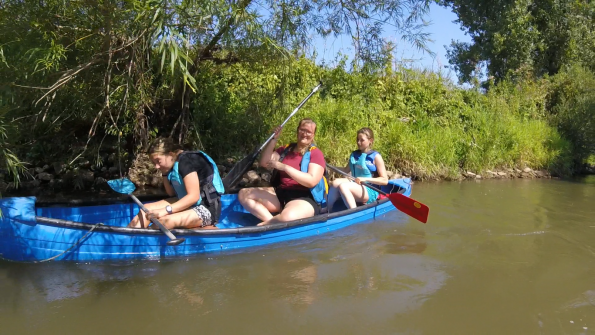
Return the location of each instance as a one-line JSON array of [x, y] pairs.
[[409, 206]]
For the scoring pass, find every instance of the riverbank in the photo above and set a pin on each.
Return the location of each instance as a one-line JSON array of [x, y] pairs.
[[55, 180], [424, 127]]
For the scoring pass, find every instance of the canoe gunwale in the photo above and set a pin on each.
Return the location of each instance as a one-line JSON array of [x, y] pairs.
[[223, 231]]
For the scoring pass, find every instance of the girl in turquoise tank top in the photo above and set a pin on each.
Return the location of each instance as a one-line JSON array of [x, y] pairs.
[[367, 166]]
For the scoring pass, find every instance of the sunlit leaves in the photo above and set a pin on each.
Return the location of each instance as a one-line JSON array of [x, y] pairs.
[[520, 37], [8, 160], [75, 69]]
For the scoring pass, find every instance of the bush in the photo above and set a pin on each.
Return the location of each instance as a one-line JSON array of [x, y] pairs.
[[572, 99], [424, 125]]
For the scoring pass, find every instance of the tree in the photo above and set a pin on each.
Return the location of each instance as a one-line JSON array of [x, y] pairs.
[[513, 37], [82, 68]]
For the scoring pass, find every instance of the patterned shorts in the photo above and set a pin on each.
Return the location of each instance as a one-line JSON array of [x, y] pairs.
[[204, 214]]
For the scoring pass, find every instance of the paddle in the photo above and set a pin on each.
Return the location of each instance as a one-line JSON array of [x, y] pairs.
[[125, 186], [238, 170], [413, 208]]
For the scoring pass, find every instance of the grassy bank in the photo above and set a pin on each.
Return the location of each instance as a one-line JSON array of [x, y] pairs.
[[425, 126]]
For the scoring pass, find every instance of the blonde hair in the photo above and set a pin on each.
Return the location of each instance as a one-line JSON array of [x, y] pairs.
[[164, 146], [369, 134]]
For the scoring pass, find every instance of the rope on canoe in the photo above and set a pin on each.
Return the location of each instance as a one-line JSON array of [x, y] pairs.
[[65, 251]]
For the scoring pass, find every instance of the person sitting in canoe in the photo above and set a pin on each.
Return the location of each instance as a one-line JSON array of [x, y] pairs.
[[299, 185], [367, 166], [191, 176]]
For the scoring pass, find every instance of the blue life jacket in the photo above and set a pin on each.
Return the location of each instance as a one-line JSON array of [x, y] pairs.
[[211, 188], [362, 165], [320, 191]]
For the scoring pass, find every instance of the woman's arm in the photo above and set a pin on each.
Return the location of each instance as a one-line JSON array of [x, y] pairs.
[[168, 188], [382, 178], [268, 154], [192, 193], [346, 169], [267, 157]]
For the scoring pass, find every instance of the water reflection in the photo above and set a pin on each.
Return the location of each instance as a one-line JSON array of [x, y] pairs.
[[503, 257], [293, 282], [59, 281], [405, 242]]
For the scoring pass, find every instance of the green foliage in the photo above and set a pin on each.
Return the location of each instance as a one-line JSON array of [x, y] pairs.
[[513, 38], [572, 99], [8, 160], [424, 126], [83, 71], [220, 75]]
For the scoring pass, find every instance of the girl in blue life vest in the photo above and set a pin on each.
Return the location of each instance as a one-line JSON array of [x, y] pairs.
[[366, 165], [193, 178]]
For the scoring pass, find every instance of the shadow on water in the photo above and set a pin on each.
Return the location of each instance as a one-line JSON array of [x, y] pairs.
[[497, 257], [60, 281]]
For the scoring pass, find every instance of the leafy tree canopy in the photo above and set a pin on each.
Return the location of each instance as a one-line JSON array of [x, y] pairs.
[[515, 37], [121, 67]]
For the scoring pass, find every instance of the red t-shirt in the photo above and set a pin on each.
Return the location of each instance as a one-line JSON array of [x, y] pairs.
[[293, 159]]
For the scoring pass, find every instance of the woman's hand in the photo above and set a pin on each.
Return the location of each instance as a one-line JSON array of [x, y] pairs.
[[157, 213], [275, 164], [277, 132], [358, 181]]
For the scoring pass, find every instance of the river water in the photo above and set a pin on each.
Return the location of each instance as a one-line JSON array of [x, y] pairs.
[[496, 257]]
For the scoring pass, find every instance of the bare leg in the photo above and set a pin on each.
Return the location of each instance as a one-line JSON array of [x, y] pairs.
[[186, 219], [294, 210], [142, 220], [333, 193], [260, 201], [352, 192], [338, 181]]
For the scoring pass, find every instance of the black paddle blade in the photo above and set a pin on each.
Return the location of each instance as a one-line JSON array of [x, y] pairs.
[[237, 172], [176, 241]]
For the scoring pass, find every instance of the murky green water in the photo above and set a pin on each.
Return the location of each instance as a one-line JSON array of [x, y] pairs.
[[496, 257]]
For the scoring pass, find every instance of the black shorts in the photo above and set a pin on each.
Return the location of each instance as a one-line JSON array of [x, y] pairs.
[[287, 195]]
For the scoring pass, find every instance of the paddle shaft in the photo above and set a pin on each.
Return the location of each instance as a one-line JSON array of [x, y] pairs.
[[353, 178], [405, 204], [155, 221], [290, 116], [238, 170]]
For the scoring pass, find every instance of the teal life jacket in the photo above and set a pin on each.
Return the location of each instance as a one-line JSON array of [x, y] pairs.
[[210, 189], [362, 165], [320, 191]]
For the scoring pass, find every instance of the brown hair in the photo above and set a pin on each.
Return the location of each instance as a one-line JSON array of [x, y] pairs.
[[307, 121], [302, 122], [368, 132], [164, 146]]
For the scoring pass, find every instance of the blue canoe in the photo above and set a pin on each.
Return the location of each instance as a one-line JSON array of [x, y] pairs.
[[33, 232]]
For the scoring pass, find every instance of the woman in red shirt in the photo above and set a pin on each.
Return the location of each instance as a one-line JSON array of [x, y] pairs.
[[292, 194]]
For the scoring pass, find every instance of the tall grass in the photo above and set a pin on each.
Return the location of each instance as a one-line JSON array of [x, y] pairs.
[[424, 126]]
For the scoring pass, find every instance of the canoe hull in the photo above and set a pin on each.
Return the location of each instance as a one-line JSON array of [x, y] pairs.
[[28, 237]]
